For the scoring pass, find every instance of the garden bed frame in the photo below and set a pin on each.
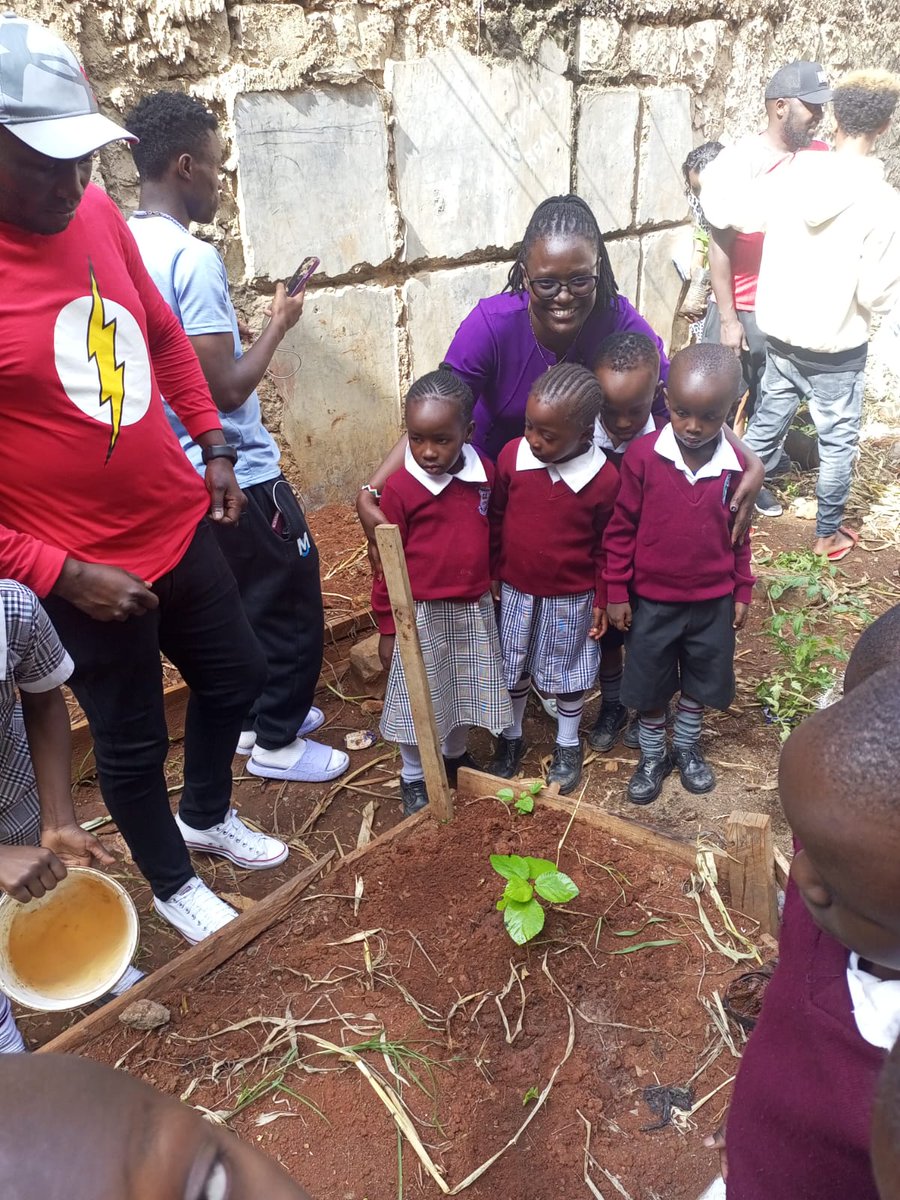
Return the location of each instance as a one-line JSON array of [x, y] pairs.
[[747, 865]]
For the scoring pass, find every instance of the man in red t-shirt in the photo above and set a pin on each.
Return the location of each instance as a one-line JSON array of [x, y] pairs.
[[100, 511], [794, 97]]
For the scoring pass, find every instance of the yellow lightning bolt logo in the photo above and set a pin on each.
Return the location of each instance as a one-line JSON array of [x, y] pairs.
[[101, 347]]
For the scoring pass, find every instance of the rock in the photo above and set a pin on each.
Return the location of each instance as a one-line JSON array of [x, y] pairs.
[[660, 282], [313, 179], [145, 1014], [666, 140], [372, 708], [478, 145], [437, 302], [606, 160], [597, 43], [364, 659], [625, 260]]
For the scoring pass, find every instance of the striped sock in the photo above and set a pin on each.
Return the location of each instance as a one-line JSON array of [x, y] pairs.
[[568, 714], [519, 697], [412, 763], [610, 687], [10, 1039], [652, 736], [688, 723]]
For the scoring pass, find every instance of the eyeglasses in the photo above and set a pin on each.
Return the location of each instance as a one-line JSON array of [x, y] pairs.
[[579, 285]]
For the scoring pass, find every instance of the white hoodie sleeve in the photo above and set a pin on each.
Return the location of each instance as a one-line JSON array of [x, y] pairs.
[[878, 290], [737, 191]]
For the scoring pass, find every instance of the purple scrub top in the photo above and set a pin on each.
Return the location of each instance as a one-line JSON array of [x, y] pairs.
[[495, 351]]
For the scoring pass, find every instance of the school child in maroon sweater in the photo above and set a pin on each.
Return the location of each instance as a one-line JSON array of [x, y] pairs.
[[676, 583], [799, 1121], [553, 496], [439, 500], [626, 366]]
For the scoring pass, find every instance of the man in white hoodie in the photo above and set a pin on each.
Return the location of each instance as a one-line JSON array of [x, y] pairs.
[[831, 259]]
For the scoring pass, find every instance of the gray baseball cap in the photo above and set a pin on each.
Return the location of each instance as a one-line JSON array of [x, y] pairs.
[[801, 80], [45, 98]]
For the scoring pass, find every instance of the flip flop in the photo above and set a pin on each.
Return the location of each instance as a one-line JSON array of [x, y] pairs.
[[837, 555]]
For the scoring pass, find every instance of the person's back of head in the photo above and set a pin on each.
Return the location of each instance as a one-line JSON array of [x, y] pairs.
[[179, 155], [864, 102], [878, 646]]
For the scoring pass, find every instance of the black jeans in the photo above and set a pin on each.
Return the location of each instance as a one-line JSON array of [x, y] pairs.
[[277, 575], [200, 626]]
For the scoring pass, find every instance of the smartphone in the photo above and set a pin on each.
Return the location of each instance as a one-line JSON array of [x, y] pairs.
[[301, 276]]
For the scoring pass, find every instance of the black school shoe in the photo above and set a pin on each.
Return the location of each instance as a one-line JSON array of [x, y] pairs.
[[611, 719], [508, 755], [452, 765], [631, 737], [647, 780], [697, 775], [413, 795], [565, 768]]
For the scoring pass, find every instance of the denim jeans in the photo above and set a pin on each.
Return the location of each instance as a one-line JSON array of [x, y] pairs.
[[835, 405], [200, 626]]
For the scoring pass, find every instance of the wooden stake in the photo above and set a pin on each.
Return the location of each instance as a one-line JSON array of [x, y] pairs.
[[751, 872], [396, 576], [740, 417]]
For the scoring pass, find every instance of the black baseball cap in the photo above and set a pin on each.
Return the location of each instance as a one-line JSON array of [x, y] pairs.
[[801, 80]]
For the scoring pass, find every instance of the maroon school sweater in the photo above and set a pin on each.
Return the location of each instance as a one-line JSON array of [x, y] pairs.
[[798, 1125], [547, 540], [669, 540], [445, 538]]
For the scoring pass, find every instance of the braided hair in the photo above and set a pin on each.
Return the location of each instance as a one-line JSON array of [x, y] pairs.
[[571, 388], [699, 157], [565, 216], [443, 384]]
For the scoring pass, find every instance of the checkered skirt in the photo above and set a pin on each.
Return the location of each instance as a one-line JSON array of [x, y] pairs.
[[465, 669], [546, 637]]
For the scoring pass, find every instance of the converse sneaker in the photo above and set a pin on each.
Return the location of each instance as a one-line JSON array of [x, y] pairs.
[[195, 911], [314, 719], [233, 840]]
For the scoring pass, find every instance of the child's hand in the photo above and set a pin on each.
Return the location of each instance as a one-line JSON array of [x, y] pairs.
[[76, 847], [620, 616], [740, 614], [716, 1141], [600, 625], [386, 649], [495, 590], [27, 872]]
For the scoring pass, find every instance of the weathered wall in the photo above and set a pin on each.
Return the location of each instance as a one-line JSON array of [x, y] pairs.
[[406, 144]]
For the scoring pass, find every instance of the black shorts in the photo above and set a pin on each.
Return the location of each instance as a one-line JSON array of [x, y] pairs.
[[679, 647], [613, 639]]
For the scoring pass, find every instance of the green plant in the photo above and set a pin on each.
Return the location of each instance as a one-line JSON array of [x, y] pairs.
[[801, 571], [523, 914], [808, 667], [531, 1094], [525, 802]]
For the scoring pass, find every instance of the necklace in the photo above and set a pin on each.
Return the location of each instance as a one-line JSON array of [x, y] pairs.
[[540, 349], [149, 212]]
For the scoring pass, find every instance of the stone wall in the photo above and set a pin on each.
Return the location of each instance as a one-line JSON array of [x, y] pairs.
[[406, 143]]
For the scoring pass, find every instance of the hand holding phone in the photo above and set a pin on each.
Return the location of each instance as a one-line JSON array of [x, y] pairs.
[[302, 275]]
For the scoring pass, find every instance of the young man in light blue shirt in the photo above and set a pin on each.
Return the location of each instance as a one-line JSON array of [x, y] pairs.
[[271, 553]]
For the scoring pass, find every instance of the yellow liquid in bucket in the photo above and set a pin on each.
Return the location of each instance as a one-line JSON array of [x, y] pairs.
[[73, 943]]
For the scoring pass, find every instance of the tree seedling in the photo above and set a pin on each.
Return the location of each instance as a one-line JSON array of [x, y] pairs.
[[523, 915], [525, 802], [531, 1094]]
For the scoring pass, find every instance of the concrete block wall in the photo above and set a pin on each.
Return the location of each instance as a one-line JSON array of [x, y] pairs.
[[407, 143]]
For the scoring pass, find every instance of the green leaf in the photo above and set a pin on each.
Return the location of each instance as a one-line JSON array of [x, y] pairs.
[[510, 865], [525, 804], [518, 889], [523, 921], [538, 866], [501, 904], [535, 786], [531, 1094], [507, 795], [633, 932], [647, 946], [555, 887]]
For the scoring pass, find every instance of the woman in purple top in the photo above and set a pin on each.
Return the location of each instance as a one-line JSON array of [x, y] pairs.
[[561, 301]]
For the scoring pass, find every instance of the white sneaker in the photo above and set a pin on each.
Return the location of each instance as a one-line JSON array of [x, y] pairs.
[[195, 911], [235, 841], [313, 720], [548, 703]]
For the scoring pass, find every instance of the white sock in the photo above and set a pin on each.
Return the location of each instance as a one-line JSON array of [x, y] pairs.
[[519, 697], [128, 980], [285, 757], [10, 1039], [454, 745], [412, 762], [568, 713]]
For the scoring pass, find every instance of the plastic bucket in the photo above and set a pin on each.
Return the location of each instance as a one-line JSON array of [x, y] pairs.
[[71, 946]]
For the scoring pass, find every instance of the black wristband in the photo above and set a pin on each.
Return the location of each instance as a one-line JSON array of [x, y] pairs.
[[208, 453]]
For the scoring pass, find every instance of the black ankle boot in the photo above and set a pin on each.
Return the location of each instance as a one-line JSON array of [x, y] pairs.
[[697, 775], [508, 754], [647, 780], [452, 765], [565, 768], [611, 719], [413, 795]]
